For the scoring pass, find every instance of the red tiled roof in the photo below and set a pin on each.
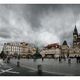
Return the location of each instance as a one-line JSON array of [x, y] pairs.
[[55, 45]]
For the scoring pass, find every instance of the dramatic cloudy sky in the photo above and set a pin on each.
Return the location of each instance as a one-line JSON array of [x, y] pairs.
[[38, 24]]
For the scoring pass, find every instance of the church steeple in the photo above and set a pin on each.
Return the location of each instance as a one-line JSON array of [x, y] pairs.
[[75, 31], [75, 36], [65, 42]]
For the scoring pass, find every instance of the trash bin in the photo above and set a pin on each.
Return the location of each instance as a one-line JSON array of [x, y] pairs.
[[39, 69]]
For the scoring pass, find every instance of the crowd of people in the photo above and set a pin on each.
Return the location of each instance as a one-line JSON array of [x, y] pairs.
[[60, 59], [68, 59], [78, 59]]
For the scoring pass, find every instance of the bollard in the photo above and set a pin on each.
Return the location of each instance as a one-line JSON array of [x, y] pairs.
[[42, 58], [39, 69], [18, 64]]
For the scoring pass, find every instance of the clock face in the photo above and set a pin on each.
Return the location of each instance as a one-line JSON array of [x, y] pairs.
[[75, 37]]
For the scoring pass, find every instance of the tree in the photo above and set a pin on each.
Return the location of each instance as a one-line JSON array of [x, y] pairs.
[[37, 54], [2, 54], [15, 54]]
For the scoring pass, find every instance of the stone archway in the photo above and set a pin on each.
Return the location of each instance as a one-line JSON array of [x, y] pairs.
[[49, 55]]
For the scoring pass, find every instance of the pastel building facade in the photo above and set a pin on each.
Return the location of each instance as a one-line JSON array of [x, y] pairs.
[[20, 48], [73, 50], [52, 50], [64, 49]]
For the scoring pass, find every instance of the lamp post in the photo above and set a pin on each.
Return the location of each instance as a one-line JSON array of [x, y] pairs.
[[18, 57]]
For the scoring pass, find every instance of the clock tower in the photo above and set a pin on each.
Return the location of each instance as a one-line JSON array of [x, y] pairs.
[[75, 36]]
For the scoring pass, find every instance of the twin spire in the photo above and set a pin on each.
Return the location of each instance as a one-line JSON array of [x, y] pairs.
[[75, 30]]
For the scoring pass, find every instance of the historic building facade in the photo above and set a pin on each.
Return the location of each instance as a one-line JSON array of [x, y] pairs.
[[11, 48], [51, 50], [20, 48], [72, 50], [76, 42], [76, 38], [54, 49], [65, 49]]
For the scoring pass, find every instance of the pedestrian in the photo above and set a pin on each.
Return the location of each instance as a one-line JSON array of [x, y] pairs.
[[18, 63], [77, 59], [64, 58], [69, 60], [59, 59], [18, 57], [3, 58], [8, 59]]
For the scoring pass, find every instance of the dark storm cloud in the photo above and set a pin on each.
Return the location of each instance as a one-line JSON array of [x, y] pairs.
[[40, 24], [64, 18], [37, 11], [5, 33]]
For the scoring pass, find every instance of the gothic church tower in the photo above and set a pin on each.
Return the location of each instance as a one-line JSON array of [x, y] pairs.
[[75, 36]]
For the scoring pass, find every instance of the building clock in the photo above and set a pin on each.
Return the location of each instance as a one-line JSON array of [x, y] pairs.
[[75, 37]]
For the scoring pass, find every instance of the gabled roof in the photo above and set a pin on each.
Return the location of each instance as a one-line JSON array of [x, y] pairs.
[[75, 30], [64, 43], [55, 45]]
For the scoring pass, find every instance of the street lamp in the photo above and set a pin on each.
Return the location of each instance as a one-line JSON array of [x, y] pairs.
[[18, 57]]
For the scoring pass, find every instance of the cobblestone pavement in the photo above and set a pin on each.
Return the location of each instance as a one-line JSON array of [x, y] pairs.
[[51, 66], [10, 69]]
